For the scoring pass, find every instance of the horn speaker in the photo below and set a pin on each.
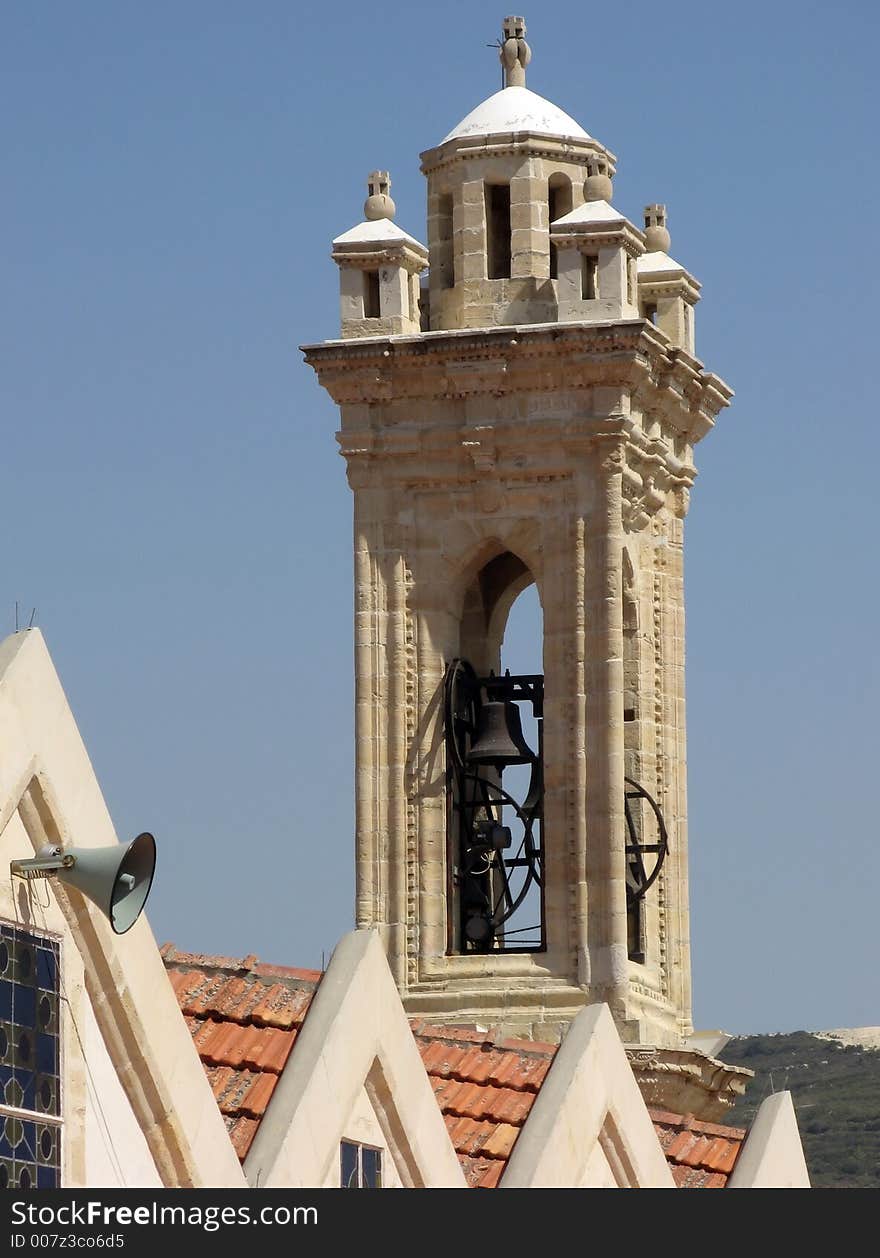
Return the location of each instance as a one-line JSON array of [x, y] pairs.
[[117, 879]]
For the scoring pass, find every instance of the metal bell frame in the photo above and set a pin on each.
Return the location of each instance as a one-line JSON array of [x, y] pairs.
[[489, 878], [485, 883]]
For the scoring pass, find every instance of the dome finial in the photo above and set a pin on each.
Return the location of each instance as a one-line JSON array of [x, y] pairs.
[[515, 52], [656, 232], [379, 204], [598, 185]]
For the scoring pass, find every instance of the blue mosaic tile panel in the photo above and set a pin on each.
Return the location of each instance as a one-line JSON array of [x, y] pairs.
[[30, 1148]]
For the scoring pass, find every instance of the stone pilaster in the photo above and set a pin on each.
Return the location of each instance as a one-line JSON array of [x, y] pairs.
[[603, 729]]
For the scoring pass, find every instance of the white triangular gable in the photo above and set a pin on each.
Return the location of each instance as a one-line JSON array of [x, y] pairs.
[[138, 1108], [589, 1126], [356, 1041], [772, 1156]]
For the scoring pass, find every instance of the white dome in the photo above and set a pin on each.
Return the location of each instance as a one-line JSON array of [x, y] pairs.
[[517, 109]]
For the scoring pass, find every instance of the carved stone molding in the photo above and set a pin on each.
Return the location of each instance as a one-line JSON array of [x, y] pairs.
[[686, 1081]]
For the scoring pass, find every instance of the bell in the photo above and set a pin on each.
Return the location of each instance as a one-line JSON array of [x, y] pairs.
[[499, 740]]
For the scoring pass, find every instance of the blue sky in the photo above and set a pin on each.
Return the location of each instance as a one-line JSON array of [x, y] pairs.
[[175, 509]]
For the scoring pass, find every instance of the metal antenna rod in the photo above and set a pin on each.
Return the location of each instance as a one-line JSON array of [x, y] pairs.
[[496, 46]]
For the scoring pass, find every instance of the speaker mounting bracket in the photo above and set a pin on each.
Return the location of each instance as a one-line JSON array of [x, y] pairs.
[[47, 861]]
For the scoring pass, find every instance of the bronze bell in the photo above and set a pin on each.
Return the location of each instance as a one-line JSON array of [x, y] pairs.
[[499, 740]]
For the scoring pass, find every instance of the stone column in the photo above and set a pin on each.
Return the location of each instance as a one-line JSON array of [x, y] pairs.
[[367, 678], [394, 715], [380, 725], [437, 629], [569, 283], [678, 950], [613, 261], [529, 225], [603, 728], [470, 232], [565, 885]]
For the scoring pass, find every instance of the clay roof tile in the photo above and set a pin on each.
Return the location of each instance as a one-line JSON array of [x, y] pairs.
[[241, 1133], [679, 1145], [722, 1155], [696, 1154], [244, 1027], [489, 1174], [501, 1141], [258, 1095]]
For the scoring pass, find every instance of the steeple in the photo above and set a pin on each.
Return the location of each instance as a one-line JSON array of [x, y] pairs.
[[537, 428], [494, 183]]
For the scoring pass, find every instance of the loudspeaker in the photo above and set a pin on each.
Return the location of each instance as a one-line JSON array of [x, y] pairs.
[[117, 879]]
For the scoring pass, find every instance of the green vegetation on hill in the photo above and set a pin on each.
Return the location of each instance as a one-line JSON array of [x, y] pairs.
[[836, 1095]]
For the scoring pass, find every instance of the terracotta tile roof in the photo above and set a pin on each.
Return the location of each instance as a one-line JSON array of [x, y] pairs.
[[700, 1155], [244, 1018], [486, 1089]]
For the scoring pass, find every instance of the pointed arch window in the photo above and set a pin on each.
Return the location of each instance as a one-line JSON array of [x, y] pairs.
[[493, 722]]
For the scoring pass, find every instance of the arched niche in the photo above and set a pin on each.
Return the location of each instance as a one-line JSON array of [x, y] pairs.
[[488, 598], [496, 902], [559, 202]]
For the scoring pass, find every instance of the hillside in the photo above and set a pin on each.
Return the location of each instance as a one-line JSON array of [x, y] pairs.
[[836, 1092]]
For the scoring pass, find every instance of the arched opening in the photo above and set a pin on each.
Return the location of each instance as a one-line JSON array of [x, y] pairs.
[[559, 200], [493, 715], [522, 651], [498, 231], [443, 256], [487, 603]]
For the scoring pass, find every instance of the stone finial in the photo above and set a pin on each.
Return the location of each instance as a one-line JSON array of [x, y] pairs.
[[379, 204], [598, 185], [515, 52], [656, 235]]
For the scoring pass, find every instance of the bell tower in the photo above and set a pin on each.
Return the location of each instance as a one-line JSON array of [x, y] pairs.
[[534, 422]]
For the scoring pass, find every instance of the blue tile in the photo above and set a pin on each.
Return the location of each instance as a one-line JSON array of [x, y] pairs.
[[47, 969], [48, 1177], [47, 1054], [24, 1007]]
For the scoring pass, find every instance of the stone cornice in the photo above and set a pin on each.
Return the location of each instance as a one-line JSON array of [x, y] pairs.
[[536, 144], [368, 256], [681, 285], [591, 235], [686, 1081], [630, 355]]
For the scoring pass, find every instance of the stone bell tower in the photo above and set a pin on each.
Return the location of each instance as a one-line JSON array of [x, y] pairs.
[[528, 416]]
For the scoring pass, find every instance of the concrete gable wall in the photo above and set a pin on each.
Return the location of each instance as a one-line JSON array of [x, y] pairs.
[[116, 1151], [355, 1044], [597, 1172], [102, 1142], [363, 1127], [119, 1014], [773, 1156], [589, 1125]]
